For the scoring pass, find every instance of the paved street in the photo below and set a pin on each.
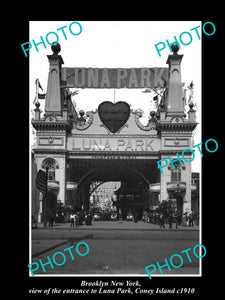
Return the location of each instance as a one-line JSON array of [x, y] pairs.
[[114, 247]]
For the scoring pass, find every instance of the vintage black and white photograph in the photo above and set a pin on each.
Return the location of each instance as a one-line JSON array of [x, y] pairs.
[[116, 148]]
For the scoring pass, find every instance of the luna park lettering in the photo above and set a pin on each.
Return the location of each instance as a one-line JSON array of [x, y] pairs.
[[113, 145]]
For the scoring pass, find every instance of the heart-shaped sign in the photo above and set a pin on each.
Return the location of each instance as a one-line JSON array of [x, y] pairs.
[[114, 115]]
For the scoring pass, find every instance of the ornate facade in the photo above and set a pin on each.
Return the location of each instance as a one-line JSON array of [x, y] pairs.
[[82, 148]]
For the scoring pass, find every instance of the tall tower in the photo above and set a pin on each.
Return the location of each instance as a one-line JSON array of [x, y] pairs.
[[51, 129], [175, 131]]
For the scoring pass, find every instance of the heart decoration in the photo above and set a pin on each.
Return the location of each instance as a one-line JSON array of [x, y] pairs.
[[114, 115]]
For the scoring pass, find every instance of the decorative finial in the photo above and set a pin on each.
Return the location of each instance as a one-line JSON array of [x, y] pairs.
[[81, 112], [37, 104], [81, 119], [152, 113], [175, 48], [56, 49], [191, 105]]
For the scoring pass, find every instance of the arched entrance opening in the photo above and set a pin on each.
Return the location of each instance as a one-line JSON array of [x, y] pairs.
[[132, 196]]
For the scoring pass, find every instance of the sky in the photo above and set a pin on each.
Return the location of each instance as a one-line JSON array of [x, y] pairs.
[[117, 44]]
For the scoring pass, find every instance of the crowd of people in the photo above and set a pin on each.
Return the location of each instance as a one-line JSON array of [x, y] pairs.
[[77, 219], [187, 219], [160, 217]]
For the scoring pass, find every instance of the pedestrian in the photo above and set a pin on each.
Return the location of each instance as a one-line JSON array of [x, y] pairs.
[[77, 219], [191, 218], [135, 217], [80, 217], [161, 220], [175, 218], [85, 218], [51, 221], [88, 219], [170, 219], [184, 220], [155, 217], [179, 218], [145, 217], [187, 218], [72, 220], [148, 217]]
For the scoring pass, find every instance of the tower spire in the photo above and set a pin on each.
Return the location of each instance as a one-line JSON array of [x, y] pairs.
[[174, 101], [53, 103]]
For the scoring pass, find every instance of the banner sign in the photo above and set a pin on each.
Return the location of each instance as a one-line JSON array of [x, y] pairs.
[[130, 145], [114, 78]]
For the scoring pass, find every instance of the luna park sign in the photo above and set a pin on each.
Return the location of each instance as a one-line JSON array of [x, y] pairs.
[[114, 78]]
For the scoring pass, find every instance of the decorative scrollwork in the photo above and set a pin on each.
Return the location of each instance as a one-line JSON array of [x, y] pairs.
[[84, 123], [151, 123]]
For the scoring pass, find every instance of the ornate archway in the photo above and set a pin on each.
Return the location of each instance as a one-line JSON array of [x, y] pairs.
[[114, 173]]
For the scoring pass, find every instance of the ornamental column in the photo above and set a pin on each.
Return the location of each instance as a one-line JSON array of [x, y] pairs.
[[175, 103], [176, 135], [53, 103]]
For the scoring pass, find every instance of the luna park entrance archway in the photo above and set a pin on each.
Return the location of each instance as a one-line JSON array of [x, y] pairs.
[[135, 178]]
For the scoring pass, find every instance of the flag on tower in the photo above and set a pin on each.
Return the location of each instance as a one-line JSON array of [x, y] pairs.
[[37, 82], [38, 95], [41, 181]]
